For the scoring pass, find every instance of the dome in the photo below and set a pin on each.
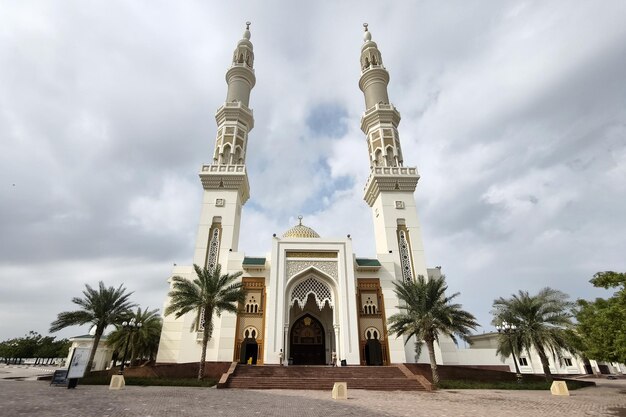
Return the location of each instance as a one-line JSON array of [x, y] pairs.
[[301, 231]]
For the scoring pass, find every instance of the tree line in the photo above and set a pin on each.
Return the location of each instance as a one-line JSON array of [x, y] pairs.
[[44, 349]]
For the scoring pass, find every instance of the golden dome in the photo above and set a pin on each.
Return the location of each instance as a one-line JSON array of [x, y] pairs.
[[301, 231]]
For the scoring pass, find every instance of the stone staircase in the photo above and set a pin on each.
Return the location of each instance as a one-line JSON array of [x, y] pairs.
[[380, 378]]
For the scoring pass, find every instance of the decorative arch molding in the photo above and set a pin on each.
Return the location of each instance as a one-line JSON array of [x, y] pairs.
[[311, 285], [325, 267]]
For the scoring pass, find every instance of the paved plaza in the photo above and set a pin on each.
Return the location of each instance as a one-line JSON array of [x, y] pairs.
[[23, 396]]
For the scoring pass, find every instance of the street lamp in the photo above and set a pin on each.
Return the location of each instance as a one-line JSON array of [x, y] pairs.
[[129, 326], [509, 329]]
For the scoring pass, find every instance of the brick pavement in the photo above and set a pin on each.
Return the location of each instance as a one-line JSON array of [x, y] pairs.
[[38, 398]]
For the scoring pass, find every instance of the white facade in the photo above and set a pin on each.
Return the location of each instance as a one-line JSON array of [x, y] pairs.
[[310, 296], [529, 362], [104, 353]]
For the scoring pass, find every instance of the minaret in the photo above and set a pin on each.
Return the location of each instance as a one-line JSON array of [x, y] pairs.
[[390, 186], [225, 181]]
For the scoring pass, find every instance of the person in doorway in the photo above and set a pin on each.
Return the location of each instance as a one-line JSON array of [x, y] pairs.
[[281, 356], [333, 359]]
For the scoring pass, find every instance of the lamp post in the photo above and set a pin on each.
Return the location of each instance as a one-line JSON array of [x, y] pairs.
[[509, 329], [128, 326]]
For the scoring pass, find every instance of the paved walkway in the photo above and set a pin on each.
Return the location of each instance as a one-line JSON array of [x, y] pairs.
[[38, 398]]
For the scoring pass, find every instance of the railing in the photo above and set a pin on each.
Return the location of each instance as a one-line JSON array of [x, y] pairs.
[[394, 170], [223, 168]]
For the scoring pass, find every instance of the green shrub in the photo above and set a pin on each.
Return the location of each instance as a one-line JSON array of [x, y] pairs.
[[146, 382], [506, 385]]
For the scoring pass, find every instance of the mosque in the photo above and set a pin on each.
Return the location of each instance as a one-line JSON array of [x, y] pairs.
[[313, 299]]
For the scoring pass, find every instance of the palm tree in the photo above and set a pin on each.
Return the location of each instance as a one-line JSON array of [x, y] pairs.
[[209, 293], [100, 308], [542, 321], [144, 341], [427, 313]]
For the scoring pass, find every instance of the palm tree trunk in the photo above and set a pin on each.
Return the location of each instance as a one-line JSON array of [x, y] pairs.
[[430, 344], [544, 363], [94, 347], [206, 335]]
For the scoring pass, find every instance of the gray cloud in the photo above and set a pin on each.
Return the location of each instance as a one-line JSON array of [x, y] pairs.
[[513, 113]]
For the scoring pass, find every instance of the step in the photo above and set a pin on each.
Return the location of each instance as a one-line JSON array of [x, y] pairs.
[[384, 378]]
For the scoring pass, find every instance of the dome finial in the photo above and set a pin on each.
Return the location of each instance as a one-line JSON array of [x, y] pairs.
[[300, 218], [367, 36], [246, 34]]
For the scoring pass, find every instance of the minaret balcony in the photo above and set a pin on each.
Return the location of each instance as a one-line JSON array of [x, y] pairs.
[[235, 111], [380, 113], [226, 177], [390, 179], [242, 65], [403, 171], [215, 168], [372, 67]]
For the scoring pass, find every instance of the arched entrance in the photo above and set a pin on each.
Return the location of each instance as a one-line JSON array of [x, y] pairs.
[[249, 347], [307, 341], [249, 352]]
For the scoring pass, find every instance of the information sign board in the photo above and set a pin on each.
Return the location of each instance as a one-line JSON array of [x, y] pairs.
[[59, 377], [78, 364]]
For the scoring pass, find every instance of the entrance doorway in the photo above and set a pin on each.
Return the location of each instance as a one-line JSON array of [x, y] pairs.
[[307, 341], [249, 351]]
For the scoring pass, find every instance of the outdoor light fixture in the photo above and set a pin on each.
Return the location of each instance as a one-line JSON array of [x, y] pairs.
[[128, 326], [509, 329]]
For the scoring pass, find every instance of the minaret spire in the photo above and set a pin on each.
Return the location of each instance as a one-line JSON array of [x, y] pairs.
[[240, 77], [225, 180], [234, 119], [381, 119], [390, 187]]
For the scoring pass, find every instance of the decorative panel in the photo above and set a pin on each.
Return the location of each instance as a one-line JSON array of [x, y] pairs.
[[405, 256], [327, 267], [320, 291]]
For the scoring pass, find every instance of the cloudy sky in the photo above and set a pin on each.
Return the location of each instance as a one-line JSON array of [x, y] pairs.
[[513, 112]]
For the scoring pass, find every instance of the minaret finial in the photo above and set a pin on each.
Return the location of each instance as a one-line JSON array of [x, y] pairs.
[[367, 36], [248, 25], [300, 218], [246, 33]]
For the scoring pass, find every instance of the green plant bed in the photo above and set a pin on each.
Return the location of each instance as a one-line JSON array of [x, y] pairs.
[[506, 385], [145, 382]]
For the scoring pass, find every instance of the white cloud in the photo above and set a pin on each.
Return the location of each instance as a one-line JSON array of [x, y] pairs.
[[513, 114]]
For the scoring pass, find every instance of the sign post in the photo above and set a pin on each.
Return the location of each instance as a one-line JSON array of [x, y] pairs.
[[78, 366]]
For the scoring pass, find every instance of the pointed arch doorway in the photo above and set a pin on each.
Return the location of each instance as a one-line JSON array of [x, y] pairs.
[[307, 341]]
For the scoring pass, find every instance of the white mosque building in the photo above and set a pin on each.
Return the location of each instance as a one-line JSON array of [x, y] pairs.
[[313, 295]]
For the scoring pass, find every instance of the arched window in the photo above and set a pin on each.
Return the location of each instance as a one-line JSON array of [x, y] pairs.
[[390, 158], [372, 333], [250, 332], [226, 154], [252, 305], [379, 158]]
